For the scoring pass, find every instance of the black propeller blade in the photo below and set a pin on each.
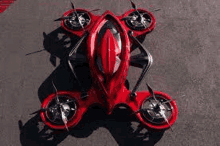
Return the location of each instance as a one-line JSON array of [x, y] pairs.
[[72, 5], [68, 17], [63, 18], [38, 111], [157, 10], [127, 18], [53, 60], [35, 52], [133, 5], [142, 110], [94, 10]]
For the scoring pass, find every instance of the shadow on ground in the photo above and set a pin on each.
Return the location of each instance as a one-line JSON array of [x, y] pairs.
[[120, 124], [124, 128]]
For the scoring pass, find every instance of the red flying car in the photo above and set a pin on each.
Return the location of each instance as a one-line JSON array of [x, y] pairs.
[[108, 38]]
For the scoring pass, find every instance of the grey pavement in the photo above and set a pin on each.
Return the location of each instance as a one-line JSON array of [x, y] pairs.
[[186, 53]]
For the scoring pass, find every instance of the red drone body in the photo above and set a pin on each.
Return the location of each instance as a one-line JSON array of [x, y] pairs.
[[108, 39]]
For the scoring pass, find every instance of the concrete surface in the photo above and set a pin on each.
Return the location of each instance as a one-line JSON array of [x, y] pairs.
[[185, 48]]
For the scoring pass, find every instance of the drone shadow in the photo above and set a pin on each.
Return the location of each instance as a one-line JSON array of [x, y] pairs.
[[121, 124]]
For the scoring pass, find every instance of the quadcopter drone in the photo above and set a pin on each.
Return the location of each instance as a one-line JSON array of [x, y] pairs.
[[108, 39]]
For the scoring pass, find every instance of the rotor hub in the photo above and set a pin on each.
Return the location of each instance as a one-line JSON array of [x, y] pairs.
[[67, 106], [155, 111], [77, 21], [139, 20]]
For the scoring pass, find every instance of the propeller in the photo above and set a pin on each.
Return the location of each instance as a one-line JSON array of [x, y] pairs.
[[162, 114], [69, 17], [159, 104], [63, 116], [43, 109], [77, 16], [140, 16]]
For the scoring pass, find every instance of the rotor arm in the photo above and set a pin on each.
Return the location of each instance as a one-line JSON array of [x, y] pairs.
[[143, 60], [138, 61], [77, 59]]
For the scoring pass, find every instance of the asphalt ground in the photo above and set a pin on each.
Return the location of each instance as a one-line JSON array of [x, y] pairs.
[[186, 53]]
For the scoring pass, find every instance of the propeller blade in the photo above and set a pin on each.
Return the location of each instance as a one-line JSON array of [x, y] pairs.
[[63, 18], [64, 118], [45, 35], [53, 60], [59, 19], [74, 50], [20, 124], [72, 109], [133, 5], [160, 104], [127, 18], [168, 101], [165, 118], [74, 11], [38, 111], [72, 100], [81, 24], [141, 110], [94, 10], [157, 10], [72, 5], [57, 99], [35, 52], [143, 24], [139, 15], [152, 92], [77, 16]]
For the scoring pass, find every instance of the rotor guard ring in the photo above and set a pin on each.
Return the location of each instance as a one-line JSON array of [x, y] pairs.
[[71, 107], [152, 118]]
